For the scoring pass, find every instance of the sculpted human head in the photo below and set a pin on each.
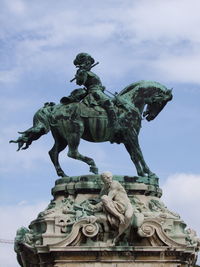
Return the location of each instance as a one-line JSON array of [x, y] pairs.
[[106, 177], [84, 60]]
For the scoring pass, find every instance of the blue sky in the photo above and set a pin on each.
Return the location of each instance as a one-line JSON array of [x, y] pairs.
[[132, 40]]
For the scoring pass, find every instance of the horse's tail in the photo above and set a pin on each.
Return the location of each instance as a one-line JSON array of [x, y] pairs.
[[40, 127]]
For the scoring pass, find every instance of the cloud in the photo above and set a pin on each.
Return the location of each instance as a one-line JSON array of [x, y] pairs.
[[11, 106], [141, 38], [8, 256], [12, 110], [9, 76], [179, 68], [18, 215], [181, 194], [16, 7], [164, 21], [15, 216], [29, 160]]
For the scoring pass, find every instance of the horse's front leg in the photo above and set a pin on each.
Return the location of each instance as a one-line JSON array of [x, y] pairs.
[[134, 157], [139, 155], [133, 147], [54, 154], [143, 164]]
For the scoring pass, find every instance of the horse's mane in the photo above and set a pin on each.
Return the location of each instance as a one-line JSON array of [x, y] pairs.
[[134, 88]]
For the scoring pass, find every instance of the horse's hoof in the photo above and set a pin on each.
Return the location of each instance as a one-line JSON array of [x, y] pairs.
[[94, 170], [152, 175], [65, 175], [61, 174]]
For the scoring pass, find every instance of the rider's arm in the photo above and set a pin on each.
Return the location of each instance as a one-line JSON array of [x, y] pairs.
[[81, 77]]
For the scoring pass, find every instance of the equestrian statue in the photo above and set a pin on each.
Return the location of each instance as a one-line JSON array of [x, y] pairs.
[[89, 113]]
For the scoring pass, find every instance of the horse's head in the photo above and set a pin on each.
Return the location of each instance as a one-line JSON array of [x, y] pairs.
[[156, 102]]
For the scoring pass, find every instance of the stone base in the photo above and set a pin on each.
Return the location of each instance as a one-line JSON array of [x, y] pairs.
[[92, 184], [68, 234], [109, 257]]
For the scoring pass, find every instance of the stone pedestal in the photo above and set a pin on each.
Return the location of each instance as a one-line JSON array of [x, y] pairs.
[[68, 234], [106, 257]]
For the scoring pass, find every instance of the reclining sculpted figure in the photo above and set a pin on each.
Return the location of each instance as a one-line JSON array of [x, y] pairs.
[[115, 204]]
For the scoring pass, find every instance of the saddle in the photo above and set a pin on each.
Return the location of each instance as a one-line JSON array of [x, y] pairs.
[[83, 104], [92, 111], [75, 110]]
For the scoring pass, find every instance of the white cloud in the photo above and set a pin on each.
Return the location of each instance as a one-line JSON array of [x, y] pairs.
[[14, 105], [182, 68], [9, 76], [16, 7], [165, 21], [160, 35], [27, 159], [7, 255], [12, 110], [13, 218], [181, 194]]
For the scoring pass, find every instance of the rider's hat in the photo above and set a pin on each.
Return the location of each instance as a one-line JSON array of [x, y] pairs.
[[83, 58]]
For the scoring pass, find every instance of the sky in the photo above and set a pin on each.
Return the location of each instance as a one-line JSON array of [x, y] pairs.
[[133, 40]]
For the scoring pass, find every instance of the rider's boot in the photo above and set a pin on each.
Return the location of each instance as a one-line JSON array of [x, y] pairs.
[[76, 96], [112, 117], [112, 120]]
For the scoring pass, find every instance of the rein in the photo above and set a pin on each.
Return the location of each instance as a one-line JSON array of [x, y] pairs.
[[132, 107]]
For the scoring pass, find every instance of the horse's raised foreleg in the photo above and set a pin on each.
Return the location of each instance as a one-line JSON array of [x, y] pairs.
[[73, 143], [54, 154]]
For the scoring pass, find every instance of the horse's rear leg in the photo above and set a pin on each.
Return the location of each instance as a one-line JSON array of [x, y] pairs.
[[54, 154], [73, 152]]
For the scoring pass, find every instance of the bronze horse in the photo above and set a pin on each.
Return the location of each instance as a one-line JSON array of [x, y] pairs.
[[71, 122]]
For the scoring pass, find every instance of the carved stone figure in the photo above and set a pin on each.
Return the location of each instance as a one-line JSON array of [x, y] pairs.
[[115, 204], [102, 119], [111, 220]]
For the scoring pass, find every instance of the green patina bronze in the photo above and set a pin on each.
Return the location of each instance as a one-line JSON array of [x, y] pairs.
[[90, 114]]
